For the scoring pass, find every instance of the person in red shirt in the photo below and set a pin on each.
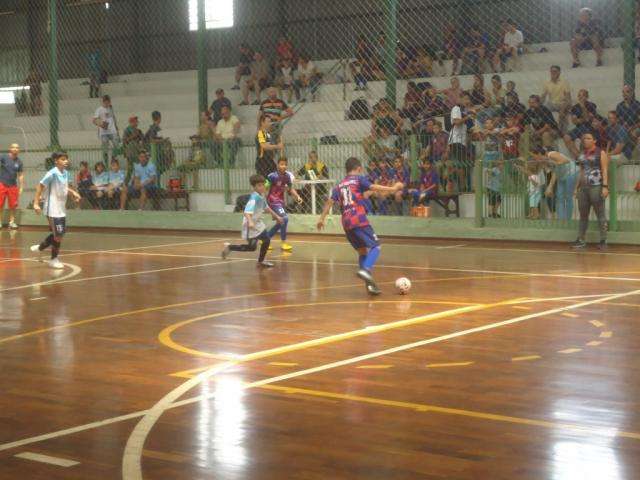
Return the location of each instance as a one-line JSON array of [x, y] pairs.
[[285, 50], [510, 138]]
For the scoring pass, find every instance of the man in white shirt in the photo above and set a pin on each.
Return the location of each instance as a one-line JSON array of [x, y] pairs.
[[307, 78], [54, 188], [511, 45], [105, 120], [462, 120], [226, 132]]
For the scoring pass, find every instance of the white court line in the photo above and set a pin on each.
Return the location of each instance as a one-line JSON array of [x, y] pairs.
[[75, 270], [188, 401], [37, 457], [470, 247], [471, 270], [35, 299], [132, 457], [450, 246]]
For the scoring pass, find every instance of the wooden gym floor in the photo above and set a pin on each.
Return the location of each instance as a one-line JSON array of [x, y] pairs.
[[149, 357]]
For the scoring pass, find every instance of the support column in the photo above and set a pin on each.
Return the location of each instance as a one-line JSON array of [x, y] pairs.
[[203, 94], [391, 40], [629, 26], [53, 75]]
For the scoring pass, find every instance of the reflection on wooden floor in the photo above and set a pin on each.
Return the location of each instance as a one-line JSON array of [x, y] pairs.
[[150, 357]]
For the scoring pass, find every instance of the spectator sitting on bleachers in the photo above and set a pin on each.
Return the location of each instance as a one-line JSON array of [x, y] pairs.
[[628, 111], [497, 90], [402, 174], [144, 182], [437, 148], [115, 189], [427, 188], [100, 184], [619, 142], [510, 46], [244, 66], [453, 93], [258, 81], [413, 103], [284, 79], [478, 93], [421, 64], [379, 54], [385, 115], [474, 51], [307, 79], [488, 111], [453, 45], [381, 145], [275, 108], [434, 104], [581, 115], [227, 130], [511, 86], [588, 34], [542, 126], [363, 65], [84, 182], [513, 107], [558, 94], [215, 111], [404, 65], [285, 49]]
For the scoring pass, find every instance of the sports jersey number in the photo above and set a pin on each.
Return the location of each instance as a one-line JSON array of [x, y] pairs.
[[347, 196]]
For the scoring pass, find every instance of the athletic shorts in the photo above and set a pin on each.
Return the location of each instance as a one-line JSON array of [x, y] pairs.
[[10, 192], [279, 209], [58, 226], [362, 237], [494, 197]]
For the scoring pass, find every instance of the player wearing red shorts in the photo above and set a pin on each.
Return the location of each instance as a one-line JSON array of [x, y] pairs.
[[11, 182]]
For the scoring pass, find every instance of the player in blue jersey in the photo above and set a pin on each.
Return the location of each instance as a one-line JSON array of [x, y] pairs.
[[349, 194], [253, 227], [280, 182], [54, 188]]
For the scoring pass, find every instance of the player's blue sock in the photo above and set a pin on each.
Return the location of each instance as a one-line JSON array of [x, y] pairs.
[[361, 260], [371, 258], [283, 229]]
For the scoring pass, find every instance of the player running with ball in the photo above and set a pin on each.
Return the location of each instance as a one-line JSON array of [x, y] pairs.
[[350, 195]]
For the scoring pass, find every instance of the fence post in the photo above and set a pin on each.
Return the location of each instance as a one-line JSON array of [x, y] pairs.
[[226, 154], [613, 196], [413, 152], [53, 75], [628, 45], [391, 39], [479, 192], [203, 93]]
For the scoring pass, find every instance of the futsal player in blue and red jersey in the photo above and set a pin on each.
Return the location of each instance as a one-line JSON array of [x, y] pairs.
[[280, 182], [349, 194]]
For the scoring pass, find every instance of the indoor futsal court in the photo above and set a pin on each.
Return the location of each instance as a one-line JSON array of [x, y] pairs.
[[148, 356]]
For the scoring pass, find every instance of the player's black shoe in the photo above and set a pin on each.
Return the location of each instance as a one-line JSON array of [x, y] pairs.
[[365, 275], [579, 245]]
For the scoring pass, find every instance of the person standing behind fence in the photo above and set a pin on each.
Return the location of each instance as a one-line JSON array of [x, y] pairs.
[[592, 189], [11, 182], [105, 120], [265, 149]]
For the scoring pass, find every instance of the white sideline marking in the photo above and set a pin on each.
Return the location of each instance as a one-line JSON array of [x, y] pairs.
[[75, 270], [35, 299], [132, 458], [37, 457], [451, 246]]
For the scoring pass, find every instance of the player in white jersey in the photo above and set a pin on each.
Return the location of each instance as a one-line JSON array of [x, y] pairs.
[[54, 188]]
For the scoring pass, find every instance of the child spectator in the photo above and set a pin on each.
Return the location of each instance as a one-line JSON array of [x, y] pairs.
[[100, 184], [116, 183], [510, 46], [84, 182], [402, 174], [422, 64], [436, 150], [490, 136], [494, 186], [536, 180], [428, 186], [497, 90], [510, 139]]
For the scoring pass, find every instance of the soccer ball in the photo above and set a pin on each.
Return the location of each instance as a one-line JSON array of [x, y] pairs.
[[403, 285]]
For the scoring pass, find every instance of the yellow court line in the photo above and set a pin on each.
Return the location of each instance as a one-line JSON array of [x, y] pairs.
[[374, 367], [452, 364], [525, 358], [596, 323], [211, 300], [570, 315], [570, 350], [165, 335], [421, 407], [283, 364], [594, 343], [606, 334]]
